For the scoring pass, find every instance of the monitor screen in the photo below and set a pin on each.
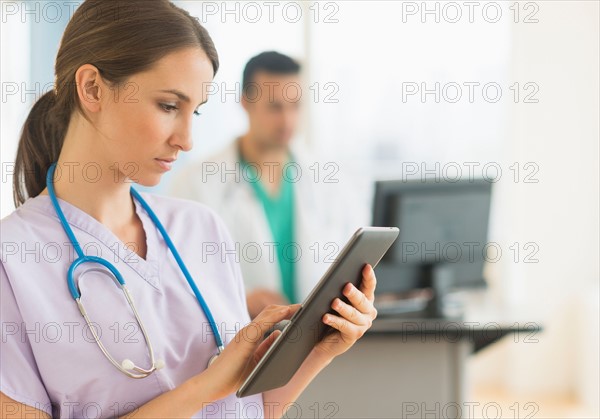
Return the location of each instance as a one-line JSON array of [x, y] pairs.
[[443, 231]]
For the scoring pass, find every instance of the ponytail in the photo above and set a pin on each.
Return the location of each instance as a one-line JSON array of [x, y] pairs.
[[39, 146]]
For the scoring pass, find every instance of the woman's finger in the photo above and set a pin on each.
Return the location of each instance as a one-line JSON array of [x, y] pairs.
[[358, 299], [254, 331], [369, 282], [350, 313], [294, 308], [347, 329], [265, 345]]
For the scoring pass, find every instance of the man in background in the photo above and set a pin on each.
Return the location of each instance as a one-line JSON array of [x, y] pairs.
[[288, 214]]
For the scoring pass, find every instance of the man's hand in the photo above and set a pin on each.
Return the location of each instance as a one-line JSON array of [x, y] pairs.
[[259, 298]]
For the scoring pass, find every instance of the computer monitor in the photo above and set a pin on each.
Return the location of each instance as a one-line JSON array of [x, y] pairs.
[[443, 235]]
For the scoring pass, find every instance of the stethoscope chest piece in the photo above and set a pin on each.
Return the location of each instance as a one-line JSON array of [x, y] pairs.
[[212, 359]]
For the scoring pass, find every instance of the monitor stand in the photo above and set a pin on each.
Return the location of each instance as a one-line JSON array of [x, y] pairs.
[[440, 278]]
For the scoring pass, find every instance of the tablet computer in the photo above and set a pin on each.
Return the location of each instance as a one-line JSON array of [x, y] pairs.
[[305, 329]]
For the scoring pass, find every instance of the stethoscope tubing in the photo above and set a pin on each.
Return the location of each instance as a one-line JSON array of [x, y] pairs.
[[82, 258]]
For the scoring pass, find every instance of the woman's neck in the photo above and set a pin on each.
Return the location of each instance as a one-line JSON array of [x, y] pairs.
[[87, 179], [91, 187], [108, 202]]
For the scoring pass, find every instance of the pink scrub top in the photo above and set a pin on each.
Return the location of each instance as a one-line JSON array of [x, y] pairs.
[[49, 358]]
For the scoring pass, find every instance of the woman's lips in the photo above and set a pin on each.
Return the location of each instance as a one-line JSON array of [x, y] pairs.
[[165, 164]]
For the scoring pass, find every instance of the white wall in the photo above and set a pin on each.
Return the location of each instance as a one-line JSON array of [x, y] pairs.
[[15, 70], [560, 213], [374, 53]]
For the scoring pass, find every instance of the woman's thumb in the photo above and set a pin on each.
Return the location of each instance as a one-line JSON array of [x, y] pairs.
[[265, 345]]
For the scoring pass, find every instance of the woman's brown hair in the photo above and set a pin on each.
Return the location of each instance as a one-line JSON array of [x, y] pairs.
[[120, 38]]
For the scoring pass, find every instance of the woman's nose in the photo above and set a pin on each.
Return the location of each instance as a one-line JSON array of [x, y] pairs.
[[183, 138]]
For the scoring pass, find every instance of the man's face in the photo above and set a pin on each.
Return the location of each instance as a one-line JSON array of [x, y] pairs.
[[273, 106]]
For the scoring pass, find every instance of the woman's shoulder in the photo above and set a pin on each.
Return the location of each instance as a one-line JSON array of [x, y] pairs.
[[195, 224], [170, 205], [31, 234], [26, 220], [184, 213]]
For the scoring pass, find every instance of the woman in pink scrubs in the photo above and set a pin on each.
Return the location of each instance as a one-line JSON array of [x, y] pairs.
[[129, 79]]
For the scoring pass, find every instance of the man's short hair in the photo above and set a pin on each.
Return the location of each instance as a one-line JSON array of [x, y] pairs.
[[270, 62]]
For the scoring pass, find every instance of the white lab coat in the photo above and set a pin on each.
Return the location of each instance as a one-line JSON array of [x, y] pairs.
[[327, 214]]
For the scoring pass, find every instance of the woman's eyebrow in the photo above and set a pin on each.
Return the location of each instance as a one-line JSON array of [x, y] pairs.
[[181, 95]]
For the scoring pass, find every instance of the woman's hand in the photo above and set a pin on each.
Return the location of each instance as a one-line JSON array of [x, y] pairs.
[[259, 298], [240, 356], [354, 320]]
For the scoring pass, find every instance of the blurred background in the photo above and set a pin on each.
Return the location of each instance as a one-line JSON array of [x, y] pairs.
[[423, 92]]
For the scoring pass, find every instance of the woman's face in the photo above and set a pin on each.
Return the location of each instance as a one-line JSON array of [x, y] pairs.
[[144, 126]]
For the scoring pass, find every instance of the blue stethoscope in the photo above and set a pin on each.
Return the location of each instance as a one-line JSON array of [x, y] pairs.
[[127, 366]]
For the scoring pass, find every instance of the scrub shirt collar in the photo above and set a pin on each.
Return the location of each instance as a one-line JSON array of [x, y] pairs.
[[148, 268]]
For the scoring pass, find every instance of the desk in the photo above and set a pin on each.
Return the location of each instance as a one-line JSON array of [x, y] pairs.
[[402, 367]]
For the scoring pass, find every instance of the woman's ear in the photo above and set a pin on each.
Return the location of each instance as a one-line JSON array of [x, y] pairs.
[[89, 87]]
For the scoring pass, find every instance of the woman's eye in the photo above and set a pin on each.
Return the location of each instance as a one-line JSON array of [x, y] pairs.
[[168, 108]]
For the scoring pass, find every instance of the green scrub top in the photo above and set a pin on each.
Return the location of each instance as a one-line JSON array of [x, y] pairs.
[[279, 210]]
